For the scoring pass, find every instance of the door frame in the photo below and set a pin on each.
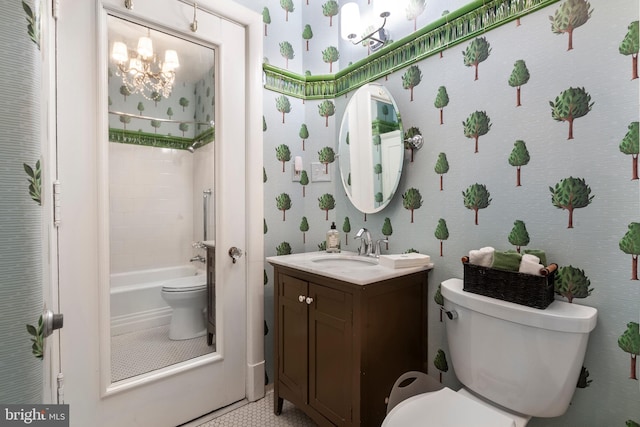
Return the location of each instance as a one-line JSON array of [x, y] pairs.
[[253, 244]]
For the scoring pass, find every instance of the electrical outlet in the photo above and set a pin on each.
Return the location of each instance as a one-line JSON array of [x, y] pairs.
[[320, 172]]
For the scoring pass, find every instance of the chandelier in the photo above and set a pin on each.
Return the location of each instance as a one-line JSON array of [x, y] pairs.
[[141, 70]]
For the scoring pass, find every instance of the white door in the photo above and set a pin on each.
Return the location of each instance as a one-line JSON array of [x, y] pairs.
[[178, 393]]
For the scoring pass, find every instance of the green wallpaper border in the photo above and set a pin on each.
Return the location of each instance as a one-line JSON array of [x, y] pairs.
[[469, 21], [135, 137]]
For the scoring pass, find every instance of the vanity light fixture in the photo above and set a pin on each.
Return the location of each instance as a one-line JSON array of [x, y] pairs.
[[141, 70], [351, 26]]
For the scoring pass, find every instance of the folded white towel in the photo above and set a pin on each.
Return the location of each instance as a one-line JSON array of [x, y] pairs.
[[531, 266], [530, 257], [482, 256]]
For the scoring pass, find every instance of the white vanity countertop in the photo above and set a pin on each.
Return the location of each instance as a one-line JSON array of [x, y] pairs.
[[359, 275]]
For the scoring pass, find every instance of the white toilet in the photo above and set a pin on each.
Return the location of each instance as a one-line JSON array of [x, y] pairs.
[[187, 296], [514, 362]]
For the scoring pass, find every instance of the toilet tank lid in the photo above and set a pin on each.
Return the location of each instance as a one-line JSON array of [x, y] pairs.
[[558, 316], [189, 283], [444, 407]]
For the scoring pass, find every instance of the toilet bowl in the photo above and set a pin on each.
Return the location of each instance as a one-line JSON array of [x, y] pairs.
[[187, 297], [447, 408]]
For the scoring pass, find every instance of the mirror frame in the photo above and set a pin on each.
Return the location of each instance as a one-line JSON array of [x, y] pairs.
[[393, 144]]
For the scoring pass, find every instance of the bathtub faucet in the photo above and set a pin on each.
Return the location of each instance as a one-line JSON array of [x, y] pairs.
[[198, 258]]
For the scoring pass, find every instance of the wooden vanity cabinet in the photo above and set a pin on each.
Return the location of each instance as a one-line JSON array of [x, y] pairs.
[[211, 294], [339, 347]]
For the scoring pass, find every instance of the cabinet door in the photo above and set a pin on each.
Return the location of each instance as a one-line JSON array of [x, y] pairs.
[[292, 332], [331, 353]]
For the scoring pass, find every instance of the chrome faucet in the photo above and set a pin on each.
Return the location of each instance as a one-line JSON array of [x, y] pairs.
[[365, 242], [376, 246], [198, 258]]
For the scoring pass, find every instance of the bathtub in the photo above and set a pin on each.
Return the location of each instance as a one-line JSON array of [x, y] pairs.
[[136, 301]]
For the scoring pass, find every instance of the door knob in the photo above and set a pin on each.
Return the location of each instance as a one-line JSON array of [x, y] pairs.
[[309, 300], [51, 322], [301, 298], [235, 253]]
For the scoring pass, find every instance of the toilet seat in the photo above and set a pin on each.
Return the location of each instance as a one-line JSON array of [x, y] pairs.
[[185, 284], [445, 408]]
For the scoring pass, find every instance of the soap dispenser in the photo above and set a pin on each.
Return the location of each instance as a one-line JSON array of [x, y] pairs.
[[333, 239]]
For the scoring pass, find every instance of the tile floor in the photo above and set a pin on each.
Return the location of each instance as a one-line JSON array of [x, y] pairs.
[[260, 414]]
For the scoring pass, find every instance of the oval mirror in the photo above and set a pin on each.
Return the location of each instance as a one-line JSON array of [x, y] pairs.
[[371, 150]]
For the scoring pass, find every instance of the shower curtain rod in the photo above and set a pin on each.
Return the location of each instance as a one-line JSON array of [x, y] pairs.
[[138, 116]]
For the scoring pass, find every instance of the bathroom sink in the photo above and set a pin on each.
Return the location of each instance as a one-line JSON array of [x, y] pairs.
[[344, 261]]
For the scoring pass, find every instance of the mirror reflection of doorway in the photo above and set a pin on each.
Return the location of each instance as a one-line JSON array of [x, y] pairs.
[[161, 204]]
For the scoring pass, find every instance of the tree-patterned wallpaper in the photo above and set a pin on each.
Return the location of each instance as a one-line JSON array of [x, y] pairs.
[[530, 143]]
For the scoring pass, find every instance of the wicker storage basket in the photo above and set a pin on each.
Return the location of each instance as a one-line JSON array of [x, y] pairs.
[[520, 288]]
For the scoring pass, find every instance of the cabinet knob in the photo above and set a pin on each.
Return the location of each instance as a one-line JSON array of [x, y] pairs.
[[309, 300], [301, 298]]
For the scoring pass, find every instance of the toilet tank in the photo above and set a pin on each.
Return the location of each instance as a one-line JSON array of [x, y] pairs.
[[525, 359]]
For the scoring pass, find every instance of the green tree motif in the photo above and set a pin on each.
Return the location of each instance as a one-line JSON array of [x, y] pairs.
[[283, 248], [124, 91], [387, 230], [326, 155], [156, 97], [630, 46], [283, 154], [169, 112], [307, 35], [326, 202], [477, 51], [378, 197], [286, 50], [414, 9], [346, 228], [125, 120], [304, 227], [629, 342], [411, 78], [630, 244], [330, 9], [264, 124], [35, 181], [184, 127], [440, 362], [519, 236], [630, 145], [288, 7], [441, 233], [570, 105], [140, 107], [519, 76], [377, 169], [570, 15], [330, 55], [476, 197], [264, 175], [264, 220], [570, 194], [303, 134], [412, 200], [266, 19], [410, 133], [437, 297], [283, 105], [37, 340], [304, 181], [442, 167], [519, 157], [326, 109], [155, 124], [442, 100], [283, 203], [376, 141], [572, 282], [631, 423], [33, 23], [184, 102], [476, 125]]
